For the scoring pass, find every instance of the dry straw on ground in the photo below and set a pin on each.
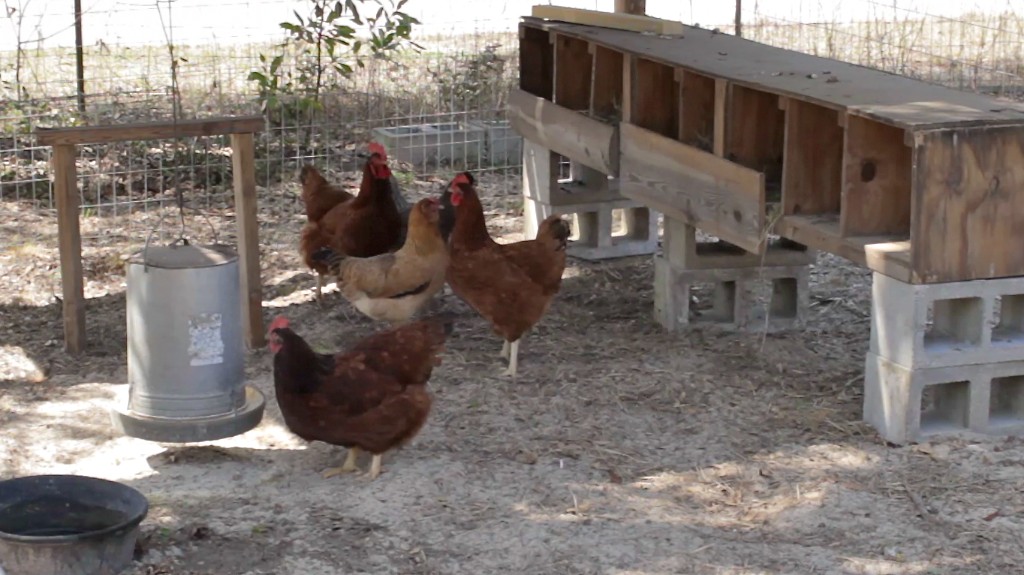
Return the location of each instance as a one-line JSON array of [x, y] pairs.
[[620, 449]]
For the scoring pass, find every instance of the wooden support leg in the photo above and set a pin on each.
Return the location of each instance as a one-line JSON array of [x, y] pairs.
[[70, 241], [540, 172], [243, 164]]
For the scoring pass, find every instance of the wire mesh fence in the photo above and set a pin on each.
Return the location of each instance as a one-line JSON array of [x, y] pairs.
[[978, 49], [437, 109]]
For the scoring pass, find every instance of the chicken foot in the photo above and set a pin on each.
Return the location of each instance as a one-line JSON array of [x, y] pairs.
[[347, 467], [374, 467], [511, 351], [319, 287]]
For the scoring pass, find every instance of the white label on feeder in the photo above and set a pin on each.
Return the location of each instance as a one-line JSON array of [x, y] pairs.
[[206, 346]]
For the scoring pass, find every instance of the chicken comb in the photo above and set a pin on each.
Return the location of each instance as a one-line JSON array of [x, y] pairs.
[[377, 148], [279, 322], [461, 178]]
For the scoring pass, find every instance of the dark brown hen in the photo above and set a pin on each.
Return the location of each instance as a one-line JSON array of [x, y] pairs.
[[372, 397]]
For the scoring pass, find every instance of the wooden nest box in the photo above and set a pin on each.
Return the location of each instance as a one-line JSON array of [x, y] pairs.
[[916, 181]]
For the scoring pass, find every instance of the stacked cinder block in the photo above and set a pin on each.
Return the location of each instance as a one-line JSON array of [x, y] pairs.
[[685, 261], [945, 358], [591, 197]]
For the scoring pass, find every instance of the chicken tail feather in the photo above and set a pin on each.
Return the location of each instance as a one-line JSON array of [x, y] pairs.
[[327, 256], [308, 171]]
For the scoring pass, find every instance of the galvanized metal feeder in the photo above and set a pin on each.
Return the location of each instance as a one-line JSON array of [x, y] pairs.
[[186, 372]]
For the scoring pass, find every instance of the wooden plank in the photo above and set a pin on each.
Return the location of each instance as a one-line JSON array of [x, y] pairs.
[[573, 69], [968, 209], [606, 85], [697, 110], [876, 180], [243, 167], [890, 258], [149, 131], [755, 132], [627, 22], [693, 186], [631, 6], [655, 98], [69, 238], [888, 98], [585, 140], [883, 254], [721, 104], [628, 68], [536, 62], [812, 160]]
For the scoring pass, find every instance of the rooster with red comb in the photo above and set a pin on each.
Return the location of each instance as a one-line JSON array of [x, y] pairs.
[[374, 222]]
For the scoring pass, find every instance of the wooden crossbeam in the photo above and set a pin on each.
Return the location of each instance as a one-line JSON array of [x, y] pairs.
[[149, 131], [64, 140], [630, 22]]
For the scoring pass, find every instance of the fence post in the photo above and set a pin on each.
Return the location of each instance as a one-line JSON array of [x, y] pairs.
[[69, 238], [79, 57], [739, 18], [631, 7]]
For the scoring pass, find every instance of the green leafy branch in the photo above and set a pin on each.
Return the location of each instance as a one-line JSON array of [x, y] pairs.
[[328, 45]]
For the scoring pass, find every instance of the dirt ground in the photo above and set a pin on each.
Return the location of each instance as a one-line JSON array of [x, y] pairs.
[[619, 450]]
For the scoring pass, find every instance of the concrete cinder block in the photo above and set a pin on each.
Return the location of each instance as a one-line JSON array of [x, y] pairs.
[[503, 146], [963, 329], [906, 404], [434, 145], [733, 302], [685, 251], [592, 229], [1006, 403]]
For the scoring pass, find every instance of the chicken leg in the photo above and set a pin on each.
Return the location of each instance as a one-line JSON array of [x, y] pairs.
[[513, 357], [347, 467], [319, 287], [374, 467]]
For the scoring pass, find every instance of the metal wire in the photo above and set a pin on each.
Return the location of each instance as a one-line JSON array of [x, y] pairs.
[[457, 85]]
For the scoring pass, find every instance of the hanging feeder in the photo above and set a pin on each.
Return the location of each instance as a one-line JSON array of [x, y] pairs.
[[186, 372]]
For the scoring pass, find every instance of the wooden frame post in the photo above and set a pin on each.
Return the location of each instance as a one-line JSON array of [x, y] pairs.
[[65, 187], [243, 164], [64, 142], [721, 107]]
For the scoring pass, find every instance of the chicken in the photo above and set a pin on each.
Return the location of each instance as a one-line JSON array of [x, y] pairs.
[[369, 224], [394, 286], [318, 195], [370, 398], [510, 285], [362, 226], [447, 219]]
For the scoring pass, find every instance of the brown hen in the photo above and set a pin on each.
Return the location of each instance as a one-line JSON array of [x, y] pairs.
[[372, 397], [394, 286], [366, 225], [510, 285]]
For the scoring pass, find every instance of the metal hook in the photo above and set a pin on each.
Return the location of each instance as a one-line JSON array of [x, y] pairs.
[[145, 248]]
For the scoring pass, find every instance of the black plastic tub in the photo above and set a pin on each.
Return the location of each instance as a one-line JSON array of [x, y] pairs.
[[68, 525]]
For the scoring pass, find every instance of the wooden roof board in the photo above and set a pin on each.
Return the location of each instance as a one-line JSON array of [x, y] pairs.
[[889, 98]]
